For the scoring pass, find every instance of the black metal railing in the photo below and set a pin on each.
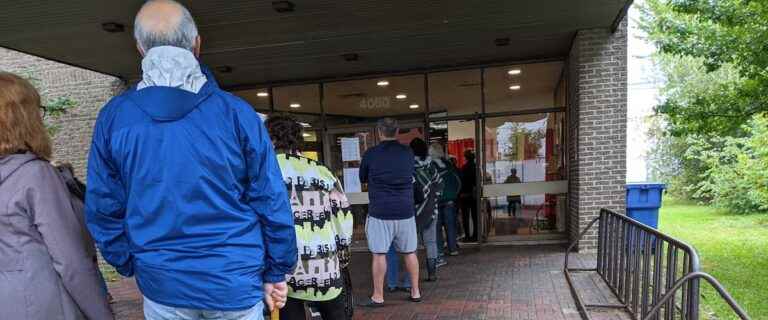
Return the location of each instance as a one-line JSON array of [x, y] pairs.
[[693, 276], [640, 265]]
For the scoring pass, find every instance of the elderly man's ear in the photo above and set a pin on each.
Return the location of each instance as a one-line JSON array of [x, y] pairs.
[[196, 47], [141, 51]]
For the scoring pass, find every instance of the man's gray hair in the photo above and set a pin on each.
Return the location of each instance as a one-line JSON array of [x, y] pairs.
[[388, 127], [182, 35]]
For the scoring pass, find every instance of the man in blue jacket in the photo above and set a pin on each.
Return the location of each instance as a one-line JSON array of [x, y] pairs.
[[184, 190]]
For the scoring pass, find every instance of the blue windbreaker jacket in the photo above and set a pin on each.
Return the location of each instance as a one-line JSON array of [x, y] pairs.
[[184, 192]]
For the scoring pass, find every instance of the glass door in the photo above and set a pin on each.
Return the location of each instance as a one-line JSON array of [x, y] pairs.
[[524, 184]]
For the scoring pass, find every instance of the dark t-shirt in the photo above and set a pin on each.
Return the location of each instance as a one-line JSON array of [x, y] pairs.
[[388, 169]]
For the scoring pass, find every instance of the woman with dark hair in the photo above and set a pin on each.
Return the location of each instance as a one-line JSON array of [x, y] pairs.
[[46, 254], [323, 226]]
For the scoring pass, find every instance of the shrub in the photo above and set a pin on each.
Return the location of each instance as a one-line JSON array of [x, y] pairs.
[[737, 174]]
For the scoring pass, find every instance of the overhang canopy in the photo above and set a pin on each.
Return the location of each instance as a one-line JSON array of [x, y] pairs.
[[254, 44]]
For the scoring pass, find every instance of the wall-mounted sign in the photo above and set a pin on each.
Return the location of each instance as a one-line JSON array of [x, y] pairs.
[[372, 103]]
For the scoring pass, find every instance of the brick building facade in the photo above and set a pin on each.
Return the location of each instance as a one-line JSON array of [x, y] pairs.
[[597, 116], [89, 90]]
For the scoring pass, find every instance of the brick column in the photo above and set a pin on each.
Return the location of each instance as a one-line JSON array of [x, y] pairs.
[[597, 133]]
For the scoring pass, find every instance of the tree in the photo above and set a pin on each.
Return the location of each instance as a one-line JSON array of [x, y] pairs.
[[724, 34]]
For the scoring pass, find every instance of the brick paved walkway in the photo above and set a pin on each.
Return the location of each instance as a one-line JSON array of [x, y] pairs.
[[482, 283]]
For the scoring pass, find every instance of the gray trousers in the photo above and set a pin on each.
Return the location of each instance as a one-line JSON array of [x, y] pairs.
[[428, 237]]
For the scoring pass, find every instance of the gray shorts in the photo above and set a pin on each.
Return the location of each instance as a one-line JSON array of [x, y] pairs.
[[382, 234]]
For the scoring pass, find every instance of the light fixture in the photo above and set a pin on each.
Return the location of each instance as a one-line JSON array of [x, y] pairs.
[[514, 87], [305, 125], [224, 69], [295, 105], [306, 135], [350, 56], [401, 96], [262, 94], [501, 42], [414, 106], [113, 27], [514, 72], [283, 6], [382, 83]]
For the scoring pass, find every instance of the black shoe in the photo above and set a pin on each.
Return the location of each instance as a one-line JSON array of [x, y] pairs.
[[416, 300], [431, 270], [393, 289]]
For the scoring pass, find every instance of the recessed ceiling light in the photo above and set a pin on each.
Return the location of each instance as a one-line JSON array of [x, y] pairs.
[[401, 96], [283, 6], [414, 106], [350, 56], [514, 72], [295, 105], [382, 83], [262, 94], [304, 124], [224, 69], [113, 27], [514, 87]]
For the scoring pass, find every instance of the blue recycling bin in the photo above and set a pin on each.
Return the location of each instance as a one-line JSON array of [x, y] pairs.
[[644, 201]]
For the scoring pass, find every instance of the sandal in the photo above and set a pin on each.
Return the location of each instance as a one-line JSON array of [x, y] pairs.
[[369, 303], [415, 300]]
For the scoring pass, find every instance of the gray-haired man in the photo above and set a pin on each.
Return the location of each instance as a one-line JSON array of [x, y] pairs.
[[184, 189], [388, 169]]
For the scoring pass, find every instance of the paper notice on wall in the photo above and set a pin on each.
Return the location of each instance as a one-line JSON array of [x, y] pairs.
[[352, 180], [350, 149]]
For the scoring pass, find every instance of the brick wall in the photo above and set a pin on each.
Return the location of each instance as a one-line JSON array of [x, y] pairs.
[[597, 72], [90, 90]]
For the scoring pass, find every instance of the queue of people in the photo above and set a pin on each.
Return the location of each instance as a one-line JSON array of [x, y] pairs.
[[216, 213]]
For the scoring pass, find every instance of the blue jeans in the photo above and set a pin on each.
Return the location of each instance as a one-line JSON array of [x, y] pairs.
[[447, 220], [393, 271], [156, 311]]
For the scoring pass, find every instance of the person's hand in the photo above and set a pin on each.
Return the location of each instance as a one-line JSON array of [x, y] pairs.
[[276, 294], [268, 289]]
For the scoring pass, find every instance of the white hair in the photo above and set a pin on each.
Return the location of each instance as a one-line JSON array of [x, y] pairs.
[[436, 150], [182, 35]]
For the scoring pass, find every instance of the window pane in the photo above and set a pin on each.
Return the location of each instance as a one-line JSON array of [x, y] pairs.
[[298, 99], [524, 148], [375, 98], [522, 87], [258, 98], [454, 93]]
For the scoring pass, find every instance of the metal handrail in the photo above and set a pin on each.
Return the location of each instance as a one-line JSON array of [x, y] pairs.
[[639, 265], [712, 281]]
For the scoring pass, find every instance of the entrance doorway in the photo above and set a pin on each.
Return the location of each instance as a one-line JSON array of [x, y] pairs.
[[512, 117]]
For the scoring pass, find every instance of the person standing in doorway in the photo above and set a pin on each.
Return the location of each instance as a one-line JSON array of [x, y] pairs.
[[184, 189], [513, 201], [388, 170], [446, 221], [323, 226], [467, 197]]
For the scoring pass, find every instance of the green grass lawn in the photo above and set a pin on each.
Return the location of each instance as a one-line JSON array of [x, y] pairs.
[[732, 247]]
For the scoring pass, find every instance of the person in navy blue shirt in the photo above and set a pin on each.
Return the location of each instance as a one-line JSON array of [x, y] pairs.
[[388, 170], [184, 189]]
